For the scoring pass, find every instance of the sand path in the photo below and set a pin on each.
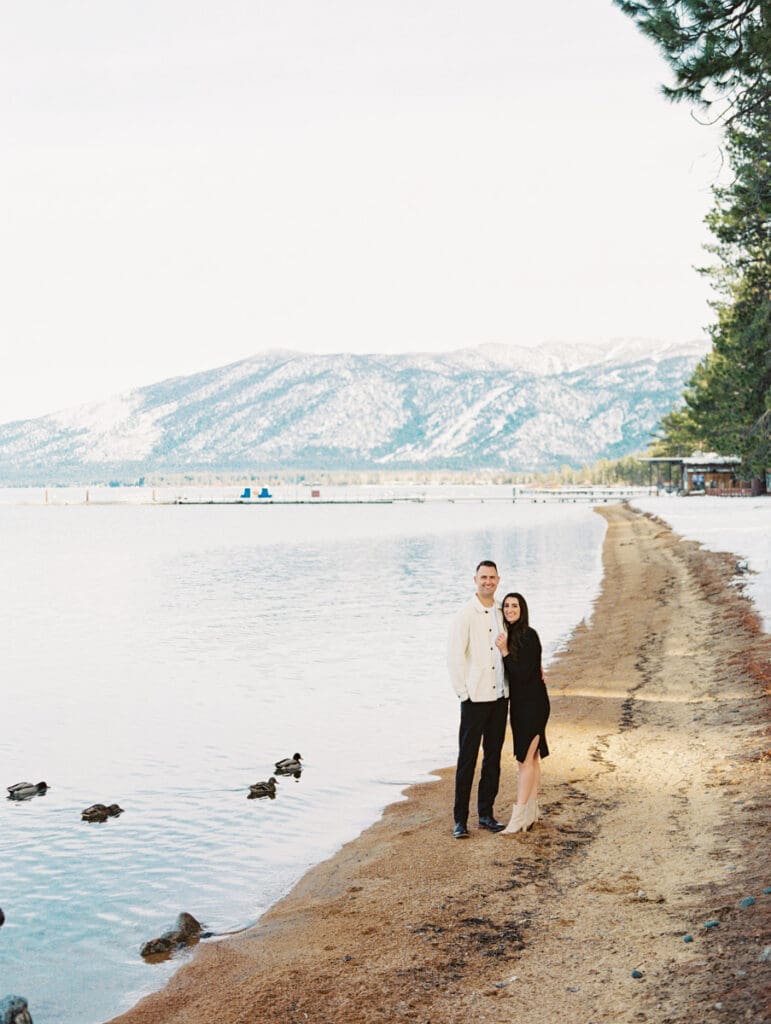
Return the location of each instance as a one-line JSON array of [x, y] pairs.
[[655, 823]]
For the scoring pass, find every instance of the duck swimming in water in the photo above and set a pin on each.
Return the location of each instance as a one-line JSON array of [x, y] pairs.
[[100, 812], [289, 765], [25, 790], [259, 789], [186, 932]]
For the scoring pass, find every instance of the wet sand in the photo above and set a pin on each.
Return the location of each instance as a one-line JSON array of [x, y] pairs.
[[655, 823]]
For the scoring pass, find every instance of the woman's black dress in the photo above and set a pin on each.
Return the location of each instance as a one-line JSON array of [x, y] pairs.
[[529, 702]]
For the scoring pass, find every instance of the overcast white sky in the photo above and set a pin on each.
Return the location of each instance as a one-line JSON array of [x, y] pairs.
[[185, 183]]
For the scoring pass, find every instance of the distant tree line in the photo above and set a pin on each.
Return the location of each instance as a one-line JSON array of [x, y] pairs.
[[627, 470], [720, 54]]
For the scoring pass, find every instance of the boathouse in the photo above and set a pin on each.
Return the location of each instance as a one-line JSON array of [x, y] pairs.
[[700, 473]]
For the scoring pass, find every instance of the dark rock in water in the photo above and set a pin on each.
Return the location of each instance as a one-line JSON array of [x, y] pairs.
[[2, 917], [101, 812], [14, 1010], [186, 932], [26, 790]]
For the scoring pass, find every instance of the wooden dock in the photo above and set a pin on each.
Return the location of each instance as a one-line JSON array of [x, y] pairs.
[[593, 495]]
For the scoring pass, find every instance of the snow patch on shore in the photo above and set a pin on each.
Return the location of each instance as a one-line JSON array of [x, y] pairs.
[[741, 526]]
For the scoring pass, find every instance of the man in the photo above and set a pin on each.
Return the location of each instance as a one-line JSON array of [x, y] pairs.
[[477, 676]]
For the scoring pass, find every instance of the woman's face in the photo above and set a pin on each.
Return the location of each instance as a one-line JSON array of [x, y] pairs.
[[511, 610]]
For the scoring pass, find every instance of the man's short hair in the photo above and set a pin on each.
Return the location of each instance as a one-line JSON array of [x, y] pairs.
[[488, 563]]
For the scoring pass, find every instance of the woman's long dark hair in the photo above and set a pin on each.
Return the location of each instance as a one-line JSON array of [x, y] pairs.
[[516, 630]]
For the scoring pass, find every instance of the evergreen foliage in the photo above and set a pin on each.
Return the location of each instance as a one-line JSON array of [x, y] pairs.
[[717, 49], [721, 50], [629, 470]]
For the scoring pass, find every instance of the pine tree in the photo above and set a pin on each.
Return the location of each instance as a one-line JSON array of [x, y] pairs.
[[720, 50], [717, 49]]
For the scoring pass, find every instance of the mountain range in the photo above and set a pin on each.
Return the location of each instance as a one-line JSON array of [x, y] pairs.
[[491, 406]]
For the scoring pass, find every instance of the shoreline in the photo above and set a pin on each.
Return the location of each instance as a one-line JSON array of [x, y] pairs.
[[655, 805], [590, 494]]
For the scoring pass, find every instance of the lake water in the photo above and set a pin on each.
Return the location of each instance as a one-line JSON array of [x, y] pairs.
[[164, 657]]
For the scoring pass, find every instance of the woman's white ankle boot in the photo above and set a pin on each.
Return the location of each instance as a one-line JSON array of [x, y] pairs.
[[533, 812], [518, 822]]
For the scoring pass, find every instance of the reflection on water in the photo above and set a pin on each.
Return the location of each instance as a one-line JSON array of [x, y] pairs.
[[165, 658]]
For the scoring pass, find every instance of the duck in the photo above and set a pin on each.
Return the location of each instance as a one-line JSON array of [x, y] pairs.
[[186, 932], [258, 789], [289, 765], [25, 790], [100, 812]]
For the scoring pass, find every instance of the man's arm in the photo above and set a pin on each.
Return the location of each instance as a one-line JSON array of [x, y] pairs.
[[457, 646]]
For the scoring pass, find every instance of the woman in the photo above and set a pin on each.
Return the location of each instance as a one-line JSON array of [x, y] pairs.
[[529, 706]]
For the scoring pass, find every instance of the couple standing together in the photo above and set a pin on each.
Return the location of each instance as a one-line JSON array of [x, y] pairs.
[[494, 658]]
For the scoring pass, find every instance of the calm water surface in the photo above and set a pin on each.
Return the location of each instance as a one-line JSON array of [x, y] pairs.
[[164, 657]]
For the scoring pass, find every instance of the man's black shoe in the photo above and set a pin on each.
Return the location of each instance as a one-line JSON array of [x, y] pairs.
[[460, 831], [491, 824]]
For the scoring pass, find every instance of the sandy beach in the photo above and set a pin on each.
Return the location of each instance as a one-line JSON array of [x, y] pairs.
[[655, 825]]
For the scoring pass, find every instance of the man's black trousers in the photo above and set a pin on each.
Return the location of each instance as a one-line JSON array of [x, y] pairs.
[[480, 722]]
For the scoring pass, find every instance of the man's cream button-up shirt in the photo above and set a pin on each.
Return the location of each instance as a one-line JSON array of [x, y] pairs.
[[473, 660]]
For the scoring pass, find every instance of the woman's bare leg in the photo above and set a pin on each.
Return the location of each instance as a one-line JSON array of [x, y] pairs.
[[536, 776], [529, 774]]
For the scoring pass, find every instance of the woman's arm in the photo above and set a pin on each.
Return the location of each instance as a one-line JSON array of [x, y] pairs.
[[526, 663]]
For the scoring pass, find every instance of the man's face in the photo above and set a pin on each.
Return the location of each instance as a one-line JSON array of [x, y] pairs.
[[487, 580]]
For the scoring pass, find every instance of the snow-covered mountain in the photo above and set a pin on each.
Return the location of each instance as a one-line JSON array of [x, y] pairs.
[[490, 406]]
